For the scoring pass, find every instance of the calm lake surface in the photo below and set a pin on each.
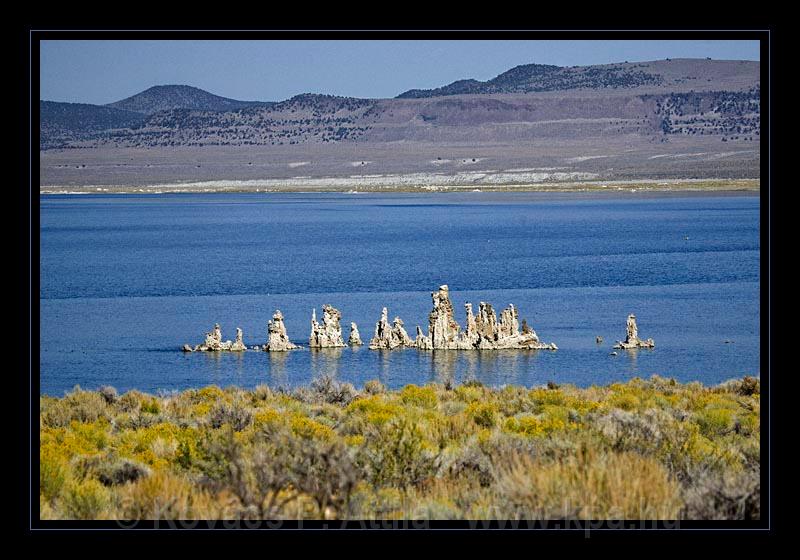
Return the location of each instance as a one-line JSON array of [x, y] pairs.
[[126, 280]]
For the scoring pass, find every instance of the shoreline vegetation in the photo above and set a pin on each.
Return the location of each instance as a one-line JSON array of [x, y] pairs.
[[404, 184], [642, 449]]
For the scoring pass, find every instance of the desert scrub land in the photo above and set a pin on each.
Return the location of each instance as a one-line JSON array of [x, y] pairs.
[[645, 449]]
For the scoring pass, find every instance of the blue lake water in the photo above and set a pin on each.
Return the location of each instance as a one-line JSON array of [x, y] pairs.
[[126, 280]]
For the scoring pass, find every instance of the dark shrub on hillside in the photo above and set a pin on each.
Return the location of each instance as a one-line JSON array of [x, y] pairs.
[[395, 455], [713, 494], [235, 414], [79, 405], [374, 387], [263, 476], [471, 462], [123, 471], [108, 393], [750, 386], [326, 389], [110, 470]]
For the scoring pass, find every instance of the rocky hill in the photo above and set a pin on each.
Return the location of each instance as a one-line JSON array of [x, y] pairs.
[[688, 118], [65, 123], [678, 74], [168, 98]]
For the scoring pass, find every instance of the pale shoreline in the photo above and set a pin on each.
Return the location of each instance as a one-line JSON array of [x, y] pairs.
[[399, 184]]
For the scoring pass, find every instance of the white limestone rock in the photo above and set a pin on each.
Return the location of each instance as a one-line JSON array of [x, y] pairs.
[[443, 329], [277, 339], [632, 339], [214, 343], [422, 342], [389, 337], [483, 331], [238, 344], [329, 333], [355, 337]]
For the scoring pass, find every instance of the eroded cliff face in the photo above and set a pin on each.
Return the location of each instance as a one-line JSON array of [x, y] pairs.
[[214, 343], [482, 331], [277, 338], [632, 339], [329, 333], [389, 337]]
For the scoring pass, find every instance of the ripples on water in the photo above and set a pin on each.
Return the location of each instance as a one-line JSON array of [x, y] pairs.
[[126, 280]]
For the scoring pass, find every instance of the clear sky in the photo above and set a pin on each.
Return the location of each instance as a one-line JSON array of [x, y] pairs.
[[106, 71]]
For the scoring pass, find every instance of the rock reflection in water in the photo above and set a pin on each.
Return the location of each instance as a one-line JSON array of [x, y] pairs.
[[223, 364], [277, 368], [632, 357], [486, 366], [325, 362], [444, 364], [384, 365]]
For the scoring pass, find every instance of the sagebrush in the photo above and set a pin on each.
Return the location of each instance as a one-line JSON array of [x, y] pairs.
[[645, 449]]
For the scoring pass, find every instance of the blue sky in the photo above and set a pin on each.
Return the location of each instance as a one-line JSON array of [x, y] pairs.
[[106, 71]]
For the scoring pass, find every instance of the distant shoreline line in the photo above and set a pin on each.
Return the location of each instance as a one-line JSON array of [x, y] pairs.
[[235, 187]]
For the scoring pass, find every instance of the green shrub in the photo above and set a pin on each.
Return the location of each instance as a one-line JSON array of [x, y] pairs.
[[326, 389], [151, 406], [52, 475], [307, 428], [474, 452], [624, 401], [424, 397], [235, 414], [715, 421], [87, 499], [484, 414], [396, 455], [109, 470], [78, 405], [375, 409], [374, 387]]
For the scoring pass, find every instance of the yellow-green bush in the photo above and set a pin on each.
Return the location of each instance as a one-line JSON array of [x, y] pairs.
[[589, 485], [52, 473], [534, 426], [160, 496], [469, 394], [375, 409], [310, 429], [715, 421], [466, 452], [424, 397], [625, 401], [484, 414], [548, 396], [267, 417], [87, 499], [211, 393]]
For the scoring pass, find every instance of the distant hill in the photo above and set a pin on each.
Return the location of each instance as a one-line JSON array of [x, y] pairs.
[[170, 97], [530, 78], [651, 100], [62, 123]]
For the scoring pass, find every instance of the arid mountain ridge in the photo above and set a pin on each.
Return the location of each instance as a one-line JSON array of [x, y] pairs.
[[667, 120], [681, 96]]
